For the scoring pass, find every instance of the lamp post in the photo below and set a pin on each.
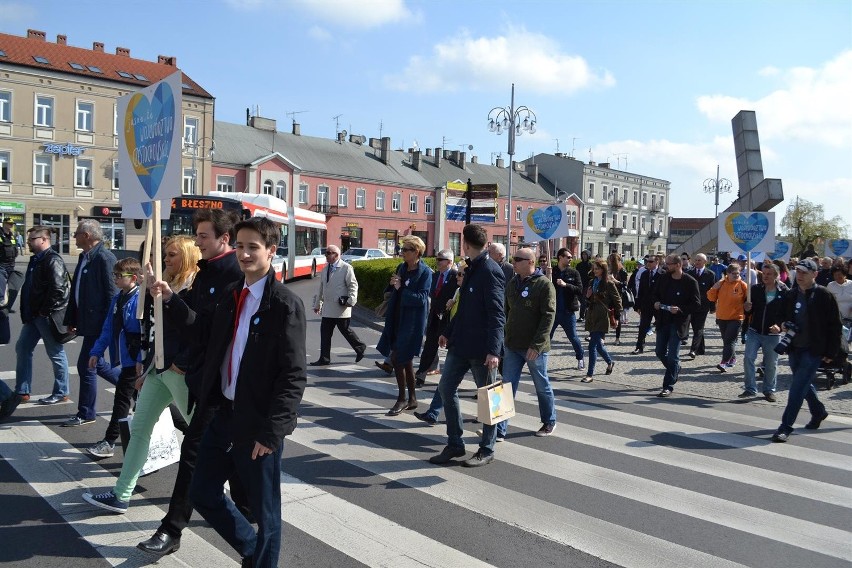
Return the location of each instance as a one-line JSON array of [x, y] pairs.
[[717, 186], [516, 121], [193, 147]]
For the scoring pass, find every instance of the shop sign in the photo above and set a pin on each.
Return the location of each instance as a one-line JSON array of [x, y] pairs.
[[63, 149], [104, 211], [12, 207]]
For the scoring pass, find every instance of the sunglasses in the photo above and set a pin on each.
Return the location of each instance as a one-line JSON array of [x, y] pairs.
[[408, 249], [122, 274]]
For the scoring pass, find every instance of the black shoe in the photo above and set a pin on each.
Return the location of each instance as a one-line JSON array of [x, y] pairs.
[[815, 422], [447, 455], [397, 408], [665, 393], [780, 436], [9, 405], [478, 459], [609, 368], [690, 355], [320, 363], [359, 355], [419, 382], [385, 367], [53, 399], [247, 562], [424, 416], [747, 394], [160, 544], [637, 351]]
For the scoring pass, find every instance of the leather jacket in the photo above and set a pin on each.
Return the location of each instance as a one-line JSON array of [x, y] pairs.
[[47, 286]]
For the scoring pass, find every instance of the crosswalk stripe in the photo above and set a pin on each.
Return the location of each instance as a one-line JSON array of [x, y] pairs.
[[599, 538], [796, 532], [733, 471]]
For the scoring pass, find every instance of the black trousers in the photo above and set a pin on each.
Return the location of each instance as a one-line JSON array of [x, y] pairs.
[[429, 355], [327, 326], [697, 322], [645, 317], [121, 403]]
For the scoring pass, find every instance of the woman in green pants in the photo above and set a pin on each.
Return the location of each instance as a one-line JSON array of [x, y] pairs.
[[161, 387]]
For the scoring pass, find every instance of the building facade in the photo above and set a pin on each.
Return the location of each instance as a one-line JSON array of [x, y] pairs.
[[59, 134], [681, 229]]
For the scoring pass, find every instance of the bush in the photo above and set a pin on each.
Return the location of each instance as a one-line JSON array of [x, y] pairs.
[[373, 277]]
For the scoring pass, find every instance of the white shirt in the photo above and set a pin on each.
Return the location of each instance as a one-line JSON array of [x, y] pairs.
[[235, 351], [843, 293]]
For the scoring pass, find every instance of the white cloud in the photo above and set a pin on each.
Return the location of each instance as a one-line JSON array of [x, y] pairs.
[[769, 71], [484, 63], [360, 14], [812, 106], [16, 11], [319, 34]]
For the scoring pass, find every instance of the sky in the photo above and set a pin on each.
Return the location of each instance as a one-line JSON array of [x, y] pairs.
[[649, 86]]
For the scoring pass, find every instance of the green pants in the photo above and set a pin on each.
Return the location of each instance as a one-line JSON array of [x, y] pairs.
[[158, 391]]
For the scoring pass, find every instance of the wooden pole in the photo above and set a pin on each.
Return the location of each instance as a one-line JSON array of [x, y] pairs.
[[159, 358], [146, 255], [748, 276]]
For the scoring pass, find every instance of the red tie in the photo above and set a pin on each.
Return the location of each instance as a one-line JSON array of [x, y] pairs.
[[240, 301], [440, 283]]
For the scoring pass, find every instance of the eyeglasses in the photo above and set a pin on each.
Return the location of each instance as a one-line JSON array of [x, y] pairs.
[[519, 259], [408, 249], [122, 274], [444, 259], [35, 238], [329, 253]]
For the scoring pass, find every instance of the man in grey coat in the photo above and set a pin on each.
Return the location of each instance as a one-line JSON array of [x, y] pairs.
[[338, 292]]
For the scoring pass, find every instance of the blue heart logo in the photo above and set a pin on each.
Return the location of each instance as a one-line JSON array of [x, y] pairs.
[[747, 231], [781, 250], [544, 222], [148, 130], [840, 247]]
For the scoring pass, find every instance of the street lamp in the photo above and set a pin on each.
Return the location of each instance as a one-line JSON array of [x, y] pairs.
[[193, 147], [717, 186], [516, 121]]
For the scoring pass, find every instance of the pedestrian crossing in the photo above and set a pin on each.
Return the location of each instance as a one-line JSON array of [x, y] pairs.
[[625, 480]]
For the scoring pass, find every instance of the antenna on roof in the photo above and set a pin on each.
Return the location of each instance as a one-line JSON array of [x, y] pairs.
[[557, 145], [292, 114], [591, 159], [336, 120], [572, 145]]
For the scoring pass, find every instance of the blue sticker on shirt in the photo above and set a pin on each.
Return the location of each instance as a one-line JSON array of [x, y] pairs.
[[256, 321], [212, 290]]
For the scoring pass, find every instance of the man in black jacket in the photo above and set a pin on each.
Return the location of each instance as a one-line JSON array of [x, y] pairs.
[[444, 286], [705, 278], [645, 300], [44, 294], [766, 314], [813, 311], [675, 298], [569, 290], [584, 267]]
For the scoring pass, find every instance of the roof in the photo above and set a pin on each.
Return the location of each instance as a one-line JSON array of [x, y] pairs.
[[686, 223], [241, 145], [59, 57]]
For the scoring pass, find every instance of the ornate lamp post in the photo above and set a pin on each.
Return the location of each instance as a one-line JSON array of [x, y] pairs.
[[717, 186], [516, 121]]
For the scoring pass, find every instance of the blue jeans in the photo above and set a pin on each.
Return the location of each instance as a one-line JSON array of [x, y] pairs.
[[39, 328], [513, 363], [89, 378], [217, 461], [804, 366], [435, 406], [568, 322], [454, 370], [668, 352], [767, 343], [596, 346]]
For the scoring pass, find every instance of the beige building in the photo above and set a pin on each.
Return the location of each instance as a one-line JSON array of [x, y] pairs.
[[59, 133]]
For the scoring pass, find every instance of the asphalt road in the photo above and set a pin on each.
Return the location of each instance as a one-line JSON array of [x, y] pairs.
[[625, 480]]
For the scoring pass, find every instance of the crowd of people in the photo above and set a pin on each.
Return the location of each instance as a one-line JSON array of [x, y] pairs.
[[234, 363]]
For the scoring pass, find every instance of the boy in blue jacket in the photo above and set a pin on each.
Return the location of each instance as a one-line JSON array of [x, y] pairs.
[[121, 329]]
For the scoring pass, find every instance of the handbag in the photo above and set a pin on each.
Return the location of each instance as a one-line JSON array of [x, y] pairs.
[[58, 329], [494, 403], [164, 448], [627, 298]]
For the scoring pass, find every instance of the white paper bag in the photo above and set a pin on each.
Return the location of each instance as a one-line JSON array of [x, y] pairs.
[[164, 449]]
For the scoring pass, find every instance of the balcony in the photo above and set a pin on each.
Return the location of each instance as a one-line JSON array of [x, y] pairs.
[[653, 234], [656, 208], [325, 209], [616, 203], [616, 232]]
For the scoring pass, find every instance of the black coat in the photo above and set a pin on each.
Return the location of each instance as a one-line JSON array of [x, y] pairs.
[[647, 284], [573, 289], [437, 309], [824, 325], [97, 288], [273, 368], [683, 294], [762, 315], [47, 286], [705, 282]]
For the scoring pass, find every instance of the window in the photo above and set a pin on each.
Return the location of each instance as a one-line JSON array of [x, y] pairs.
[[644, 224], [603, 220], [85, 116], [322, 197], [590, 222], [605, 193], [427, 204], [635, 197], [124, 74], [40, 59], [360, 198], [343, 196], [43, 170], [303, 193], [225, 183], [625, 197], [44, 111], [280, 190], [188, 181], [644, 199], [397, 197], [115, 120], [506, 212], [115, 174], [266, 188], [518, 213], [662, 201], [633, 225], [614, 220], [592, 191], [455, 243], [5, 106], [140, 77], [660, 226], [94, 69], [387, 240], [190, 130], [380, 200], [5, 160], [573, 219], [412, 203], [624, 221], [653, 201]]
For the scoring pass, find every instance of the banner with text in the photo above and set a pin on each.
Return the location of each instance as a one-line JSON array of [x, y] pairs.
[[782, 251], [746, 231], [545, 223], [838, 247]]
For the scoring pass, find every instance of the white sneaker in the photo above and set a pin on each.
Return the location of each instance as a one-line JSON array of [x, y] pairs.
[[102, 449], [581, 364]]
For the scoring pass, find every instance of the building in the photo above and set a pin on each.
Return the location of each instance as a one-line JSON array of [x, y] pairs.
[[681, 229], [59, 133]]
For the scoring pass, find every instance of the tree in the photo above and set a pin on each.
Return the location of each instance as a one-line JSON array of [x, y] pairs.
[[805, 223]]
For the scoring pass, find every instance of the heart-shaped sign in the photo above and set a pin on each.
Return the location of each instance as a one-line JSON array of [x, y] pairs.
[[840, 247], [747, 231], [781, 250], [148, 130], [544, 222]]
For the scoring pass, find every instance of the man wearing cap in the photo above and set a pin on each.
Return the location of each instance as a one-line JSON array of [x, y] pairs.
[[814, 312], [8, 252], [444, 286]]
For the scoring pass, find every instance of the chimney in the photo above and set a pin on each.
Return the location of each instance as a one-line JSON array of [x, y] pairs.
[[474, 160], [297, 129], [448, 154], [167, 60], [341, 137], [437, 157], [501, 163], [98, 46], [462, 156], [261, 123], [515, 166], [375, 144], [532, 172], [559, 154], [416, 159], [428, 152], [123, 51], [356, 139], [385, 150], [604, 165], [36, 34], [61, 39], [591, 163]]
